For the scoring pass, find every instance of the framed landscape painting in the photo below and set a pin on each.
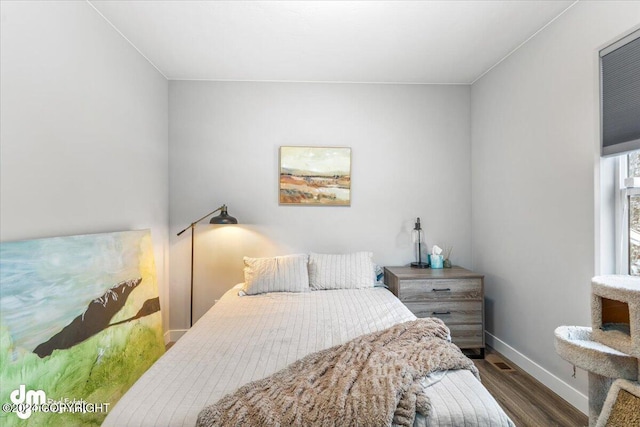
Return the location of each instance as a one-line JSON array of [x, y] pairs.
[[315, 176]]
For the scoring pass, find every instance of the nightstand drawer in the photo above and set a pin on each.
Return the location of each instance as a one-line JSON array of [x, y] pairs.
[[455, 295], [440, 289], [450, 312], [467, 336]]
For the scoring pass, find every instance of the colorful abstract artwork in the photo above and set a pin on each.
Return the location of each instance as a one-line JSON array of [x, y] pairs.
[[80, 322], [315, 176]]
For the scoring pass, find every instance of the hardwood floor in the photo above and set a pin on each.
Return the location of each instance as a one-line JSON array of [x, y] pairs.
[[527, 402]]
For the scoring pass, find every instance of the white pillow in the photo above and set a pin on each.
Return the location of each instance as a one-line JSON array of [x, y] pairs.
[[346, 271], [276, 274]]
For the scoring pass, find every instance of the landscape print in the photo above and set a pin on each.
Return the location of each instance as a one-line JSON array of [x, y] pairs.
[[315, 176], [80, 320]]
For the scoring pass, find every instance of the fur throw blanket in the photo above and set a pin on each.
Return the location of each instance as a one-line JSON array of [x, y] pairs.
[[373, 380]]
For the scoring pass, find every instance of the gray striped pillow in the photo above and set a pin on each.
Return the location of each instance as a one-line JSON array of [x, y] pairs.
[[345, 271], [276, 274]]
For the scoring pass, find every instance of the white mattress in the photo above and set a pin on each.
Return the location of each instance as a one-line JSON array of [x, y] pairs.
[[242, 339]]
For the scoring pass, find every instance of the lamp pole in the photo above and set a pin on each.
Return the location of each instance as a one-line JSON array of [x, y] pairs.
[[223, 218]]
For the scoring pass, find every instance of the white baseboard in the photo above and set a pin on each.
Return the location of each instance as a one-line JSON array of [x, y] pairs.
[[174, 335], [558, 386]]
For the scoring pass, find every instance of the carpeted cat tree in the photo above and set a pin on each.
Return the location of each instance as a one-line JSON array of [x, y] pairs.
[[609, 350]]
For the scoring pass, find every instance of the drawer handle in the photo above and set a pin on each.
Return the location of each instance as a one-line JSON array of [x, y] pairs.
[[440, 312], [441, 290]]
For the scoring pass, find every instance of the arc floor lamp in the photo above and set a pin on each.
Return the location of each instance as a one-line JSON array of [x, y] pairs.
[[222, 218]]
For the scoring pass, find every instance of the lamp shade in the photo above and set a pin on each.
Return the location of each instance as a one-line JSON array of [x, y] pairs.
[[223, 218]]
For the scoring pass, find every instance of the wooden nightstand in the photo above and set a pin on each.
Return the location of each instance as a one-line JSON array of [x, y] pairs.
[[454, 295]]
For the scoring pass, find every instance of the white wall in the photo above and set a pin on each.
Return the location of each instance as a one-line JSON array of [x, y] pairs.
[[84, 129], [410, 157], [534, 152]]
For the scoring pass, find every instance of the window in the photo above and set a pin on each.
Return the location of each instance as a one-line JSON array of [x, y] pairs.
[[620, 95], [629, 214], [620, 136]]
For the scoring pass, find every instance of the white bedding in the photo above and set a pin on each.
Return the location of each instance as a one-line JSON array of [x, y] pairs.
[[242, 339]]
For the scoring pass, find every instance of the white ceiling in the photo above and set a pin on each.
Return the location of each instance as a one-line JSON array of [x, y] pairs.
[[329, 41]]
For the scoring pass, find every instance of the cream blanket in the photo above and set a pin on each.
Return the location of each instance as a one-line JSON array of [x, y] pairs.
[[373, 380]]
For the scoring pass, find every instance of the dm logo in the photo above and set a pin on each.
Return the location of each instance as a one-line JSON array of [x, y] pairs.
[[26, 400]]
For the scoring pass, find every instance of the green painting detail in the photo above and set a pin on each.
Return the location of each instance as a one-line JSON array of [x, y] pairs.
[[80, 320]]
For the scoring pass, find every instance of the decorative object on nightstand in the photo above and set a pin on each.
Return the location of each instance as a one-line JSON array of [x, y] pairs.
[[436, 260], [223, 218], [418, 238], [447, 261], [455, 295]]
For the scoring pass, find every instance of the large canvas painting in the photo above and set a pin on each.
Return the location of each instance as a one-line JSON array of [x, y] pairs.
[[80, 322], [315, 176]]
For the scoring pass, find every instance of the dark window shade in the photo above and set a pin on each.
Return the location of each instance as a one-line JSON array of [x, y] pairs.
[[620, 96]]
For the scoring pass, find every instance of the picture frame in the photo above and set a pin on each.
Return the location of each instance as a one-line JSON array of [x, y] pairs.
[[315, 176]]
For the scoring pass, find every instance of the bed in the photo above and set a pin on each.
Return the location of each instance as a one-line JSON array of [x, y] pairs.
[[245, 338]]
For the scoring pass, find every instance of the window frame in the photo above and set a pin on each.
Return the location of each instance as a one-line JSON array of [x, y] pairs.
[[622, 212], [622, 219]]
